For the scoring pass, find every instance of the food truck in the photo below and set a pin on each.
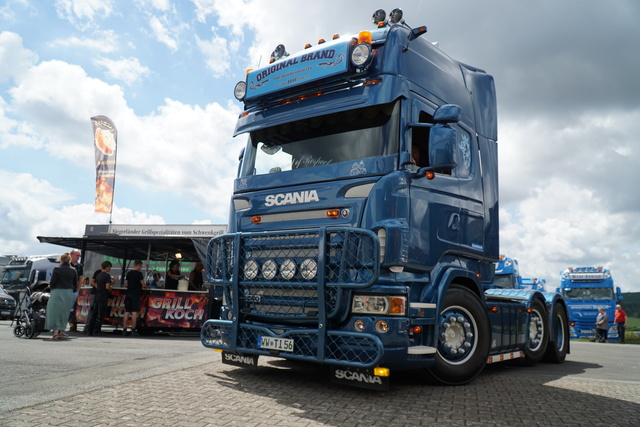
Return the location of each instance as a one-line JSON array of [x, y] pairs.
[[156, 245]]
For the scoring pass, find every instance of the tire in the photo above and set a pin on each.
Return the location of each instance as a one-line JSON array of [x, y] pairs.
[[559, 339], [538, 333], [464, 337], [18, 331], [29, 332]]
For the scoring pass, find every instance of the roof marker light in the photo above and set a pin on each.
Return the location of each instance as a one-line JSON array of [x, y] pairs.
[[320, 41], [336, 36]]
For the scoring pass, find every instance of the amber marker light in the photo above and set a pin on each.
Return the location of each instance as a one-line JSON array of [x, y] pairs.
[[246, 113], [320, 41], [333, 213], [307, 46], [417, 329], [381, 372], [430, 175], [494, 309], [396, 305], [372, 82], [256, 219], [336, 36]]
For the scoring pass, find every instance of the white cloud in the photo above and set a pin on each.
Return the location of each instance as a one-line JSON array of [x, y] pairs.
[[32, 207], [128, 70], [102, 41], [162, 32], [216, 54], [15, 59], [82, 12]]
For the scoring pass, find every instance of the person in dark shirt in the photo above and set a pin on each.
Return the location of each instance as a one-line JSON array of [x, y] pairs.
[[64, 280], [75, 263], [173, 275], [195, 278], [99, 307], [134, 282]]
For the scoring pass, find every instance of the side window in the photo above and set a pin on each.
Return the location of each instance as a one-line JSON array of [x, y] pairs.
[[464, 154], [420, 141]]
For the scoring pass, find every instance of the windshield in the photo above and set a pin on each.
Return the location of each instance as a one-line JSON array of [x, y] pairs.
[[15, 276], [588, 293], [338, 137], [503, 281]]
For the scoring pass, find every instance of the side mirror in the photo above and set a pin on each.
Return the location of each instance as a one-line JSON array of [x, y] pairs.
[[447, 113], [442, 141]]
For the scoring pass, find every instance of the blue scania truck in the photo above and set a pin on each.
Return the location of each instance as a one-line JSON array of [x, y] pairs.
[[364, 219], [586, 289], [507, 276]]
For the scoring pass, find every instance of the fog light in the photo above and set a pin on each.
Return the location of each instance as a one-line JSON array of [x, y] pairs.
[[309, 269], [288, 269], [251, 270], [359, 325], [269, 269], [382, 326]]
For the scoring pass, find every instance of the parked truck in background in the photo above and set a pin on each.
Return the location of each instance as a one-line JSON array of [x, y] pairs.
[[364, 220], [22, 272], [586, 289], [507, 276]]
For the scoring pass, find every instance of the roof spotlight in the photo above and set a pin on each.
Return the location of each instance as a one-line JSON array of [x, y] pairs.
[[379, 16], [279, 52], [395, 16]]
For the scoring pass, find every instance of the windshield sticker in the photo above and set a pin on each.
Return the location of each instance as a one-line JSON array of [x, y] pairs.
[[308, 160], [358, 169]]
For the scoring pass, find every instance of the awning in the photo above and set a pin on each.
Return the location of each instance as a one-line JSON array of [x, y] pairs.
[[144, 242]]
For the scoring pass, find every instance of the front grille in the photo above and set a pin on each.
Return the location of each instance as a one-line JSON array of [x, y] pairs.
[[345, 258]]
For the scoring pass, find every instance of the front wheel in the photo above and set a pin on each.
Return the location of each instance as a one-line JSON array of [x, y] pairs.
[[463, 338], [18, 331], [538, 331], [559, 342]]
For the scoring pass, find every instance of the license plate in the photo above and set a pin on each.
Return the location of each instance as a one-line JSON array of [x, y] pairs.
[[5, 312], [279, 344]]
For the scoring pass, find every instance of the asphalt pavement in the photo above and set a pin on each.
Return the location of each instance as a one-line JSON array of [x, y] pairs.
[[173, 380]]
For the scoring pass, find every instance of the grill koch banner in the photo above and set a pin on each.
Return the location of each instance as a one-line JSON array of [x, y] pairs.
[[105, 137]]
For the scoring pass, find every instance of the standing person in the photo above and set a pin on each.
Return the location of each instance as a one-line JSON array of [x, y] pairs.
[[64, 280], [620, 317], [195, 277], [103, 283], [173, 275], [75, 263], [602, 325], [134, 282]]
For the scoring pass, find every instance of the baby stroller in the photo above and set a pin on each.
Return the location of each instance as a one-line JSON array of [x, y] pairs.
[[30, 314]]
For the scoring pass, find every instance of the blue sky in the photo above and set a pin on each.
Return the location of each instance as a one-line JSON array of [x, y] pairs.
[[164, 71]]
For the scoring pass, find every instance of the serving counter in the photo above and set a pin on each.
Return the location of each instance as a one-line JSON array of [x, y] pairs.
[[160, 309]]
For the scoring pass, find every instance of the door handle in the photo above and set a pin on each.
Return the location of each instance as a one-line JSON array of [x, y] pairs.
[[454, 222]]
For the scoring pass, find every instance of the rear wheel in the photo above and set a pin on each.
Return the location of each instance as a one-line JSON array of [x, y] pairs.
[[538, 330], [559, 342], [463, 338]]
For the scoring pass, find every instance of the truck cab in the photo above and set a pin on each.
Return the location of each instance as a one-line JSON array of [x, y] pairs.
[[22, 272]]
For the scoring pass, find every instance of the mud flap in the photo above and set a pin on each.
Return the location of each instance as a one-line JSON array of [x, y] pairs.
[[359, 377], [240, 359]]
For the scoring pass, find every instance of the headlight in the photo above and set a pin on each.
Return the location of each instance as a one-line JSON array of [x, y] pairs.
[[367, 304], [251, 270], [309, 269], [288, 269], [360, 54], [269, 269], [240, 90]]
